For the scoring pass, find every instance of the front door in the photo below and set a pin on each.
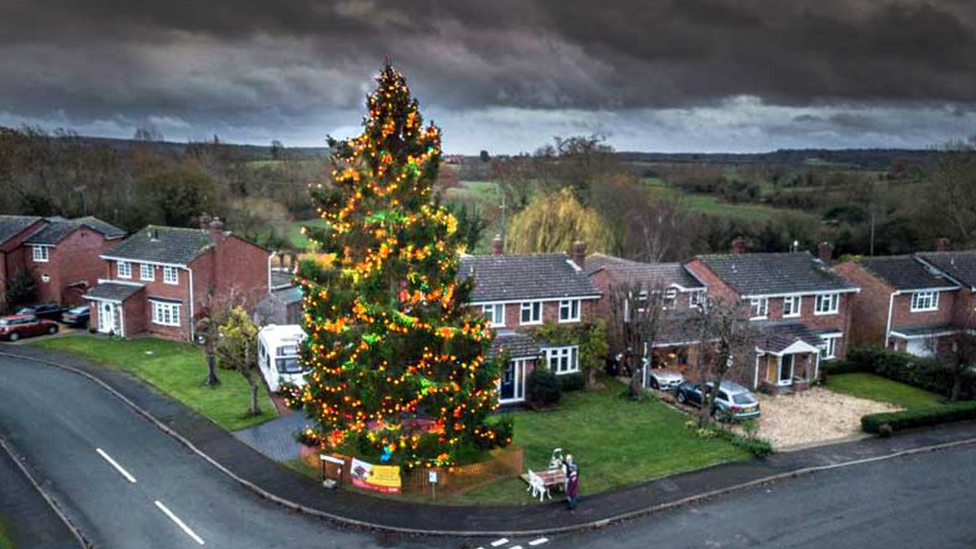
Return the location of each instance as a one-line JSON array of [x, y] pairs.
[[106, 318], [512, 386], [785, 370]]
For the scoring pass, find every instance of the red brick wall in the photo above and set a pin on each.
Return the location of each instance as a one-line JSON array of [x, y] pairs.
[[13, 258], [72, 261], [869, 308], [550, 313], [241, 266], [903, 316]]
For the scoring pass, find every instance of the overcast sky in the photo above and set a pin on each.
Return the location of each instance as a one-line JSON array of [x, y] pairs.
[[501, 75]]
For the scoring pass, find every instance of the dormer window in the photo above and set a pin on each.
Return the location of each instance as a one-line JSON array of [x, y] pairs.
[[40, 254]]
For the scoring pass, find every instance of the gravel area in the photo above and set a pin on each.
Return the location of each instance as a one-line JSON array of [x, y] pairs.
[[814, 416]]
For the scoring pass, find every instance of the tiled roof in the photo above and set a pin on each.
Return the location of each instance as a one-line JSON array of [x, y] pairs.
[[516, 344], [904, 272], [282, 279], [58, 228], [507, 277], [113, 291], [12, 225], [289, 295], [778, 336], [775, 273], [172, 245], [649, 274], [960, 266]]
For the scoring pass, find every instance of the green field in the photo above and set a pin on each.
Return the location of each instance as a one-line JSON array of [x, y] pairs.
[[874, 387], [712, 205], [177, 369]]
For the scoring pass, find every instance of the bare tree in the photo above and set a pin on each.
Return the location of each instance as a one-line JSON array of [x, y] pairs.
[[726, 340], [953, 187], [638, 313], [216, 310], [659, 230], [959, 353]]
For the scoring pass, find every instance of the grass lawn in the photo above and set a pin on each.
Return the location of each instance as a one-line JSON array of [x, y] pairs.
[[177, 369], [5, 542], [878, 388], [712, 205], [295, 235]]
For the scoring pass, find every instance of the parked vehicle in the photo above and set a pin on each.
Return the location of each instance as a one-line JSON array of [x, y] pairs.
[[278, 348], [664, 379], [15, 327], [77, 317], [733, 401], [48, 311]]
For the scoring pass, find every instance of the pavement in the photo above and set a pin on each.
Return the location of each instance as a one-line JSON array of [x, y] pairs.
[[276, 438], [30, 520], [262, 475]]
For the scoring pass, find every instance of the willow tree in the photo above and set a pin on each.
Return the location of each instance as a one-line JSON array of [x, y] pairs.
[[554, 222]]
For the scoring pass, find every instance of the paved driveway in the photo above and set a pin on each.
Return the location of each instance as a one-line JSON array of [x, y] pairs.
[[275, 438]]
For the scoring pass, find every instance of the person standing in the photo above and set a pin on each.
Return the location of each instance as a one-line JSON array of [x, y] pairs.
[[572, 481]]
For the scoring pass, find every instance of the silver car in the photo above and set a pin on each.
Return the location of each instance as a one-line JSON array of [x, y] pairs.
[[663, 379]]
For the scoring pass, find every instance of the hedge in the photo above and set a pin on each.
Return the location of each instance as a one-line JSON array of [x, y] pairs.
[[544, 388], [572, 382], [925, 373], [919, 417]]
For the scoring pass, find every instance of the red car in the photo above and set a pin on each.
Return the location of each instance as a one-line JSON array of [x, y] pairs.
[[15, 327]]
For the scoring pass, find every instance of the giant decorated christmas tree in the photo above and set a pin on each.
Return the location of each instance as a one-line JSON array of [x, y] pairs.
[[397, 360]]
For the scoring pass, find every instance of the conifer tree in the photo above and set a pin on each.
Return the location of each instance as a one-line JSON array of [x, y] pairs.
[[396, 357]]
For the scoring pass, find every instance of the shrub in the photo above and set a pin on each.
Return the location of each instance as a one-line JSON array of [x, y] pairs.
[[842, 366], [919, 417], [758, 447], [572, 382], [544, 388], [504, 428]]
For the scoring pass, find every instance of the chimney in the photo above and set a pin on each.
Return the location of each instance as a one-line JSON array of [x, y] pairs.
[[153, 234], [497, 245], [825, 252], [216, 228], [579, 253], [739, 245], [942, 244], [205, 221]]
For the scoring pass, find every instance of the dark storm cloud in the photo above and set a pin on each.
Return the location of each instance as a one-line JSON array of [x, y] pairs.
[[266, 66]]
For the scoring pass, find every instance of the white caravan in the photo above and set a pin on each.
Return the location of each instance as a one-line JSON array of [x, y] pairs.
[[278, 349]]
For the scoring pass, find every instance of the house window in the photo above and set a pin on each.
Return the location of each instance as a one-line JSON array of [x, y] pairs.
[[40, 253], [124, 269], [829, 349], [147, 272], [791, 306], [569, 310], [759, 307], [165, 314], [531, 312], [925, 301], [827, 304], [670, 296], [171, 275], [696, 299], [495, 313], [562, 360]]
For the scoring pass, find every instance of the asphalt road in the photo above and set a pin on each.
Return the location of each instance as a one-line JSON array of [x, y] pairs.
[[87, 446], [60, 421]]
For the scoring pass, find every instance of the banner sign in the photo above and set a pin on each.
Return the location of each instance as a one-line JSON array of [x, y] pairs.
[[379, 478]]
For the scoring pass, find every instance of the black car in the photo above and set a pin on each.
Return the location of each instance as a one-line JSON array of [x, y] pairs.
[[48, 311], [77, 317]]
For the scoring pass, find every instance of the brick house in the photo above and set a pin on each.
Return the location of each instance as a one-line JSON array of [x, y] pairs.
[[158, 280], [683, 292], [904, 304], [800, 305], [520, 292], [61, 254]]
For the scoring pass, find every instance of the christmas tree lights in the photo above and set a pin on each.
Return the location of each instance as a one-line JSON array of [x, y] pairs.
[[396, 357]]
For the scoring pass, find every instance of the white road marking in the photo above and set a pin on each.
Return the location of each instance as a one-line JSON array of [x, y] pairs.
[[498, 542], [115, 464], [517, 547], [179, 522], [539, 541]]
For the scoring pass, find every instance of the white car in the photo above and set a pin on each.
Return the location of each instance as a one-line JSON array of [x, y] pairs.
[[664, 379]]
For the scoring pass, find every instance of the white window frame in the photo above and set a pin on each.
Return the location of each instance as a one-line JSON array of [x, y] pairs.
[[534, 308], [696, 299], [167, 271], [123, 273], [923, 302], [670, 297], [758, 308], [165, 314], [562, 360], [572, 308], [828, 350], [40, 254], [833, 302], [495, 312], [796, 306], [147, 268]]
